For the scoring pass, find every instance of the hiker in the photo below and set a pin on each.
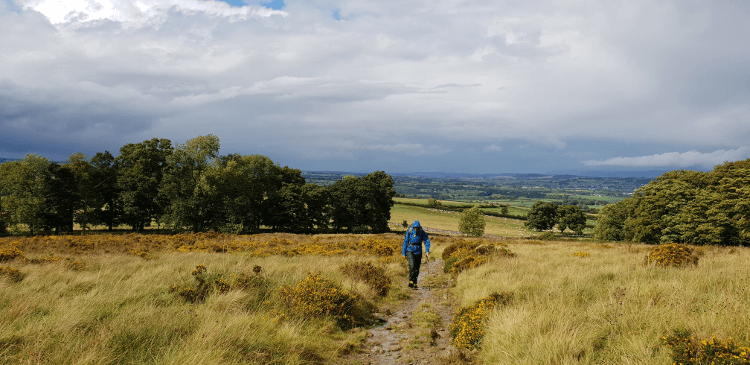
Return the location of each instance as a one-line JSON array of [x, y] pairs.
[[412, 250]]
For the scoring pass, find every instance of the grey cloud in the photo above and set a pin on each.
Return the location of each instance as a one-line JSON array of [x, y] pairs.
[[645, 72]]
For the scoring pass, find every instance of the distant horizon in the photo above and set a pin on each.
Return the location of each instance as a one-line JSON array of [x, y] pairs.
[[649, 174]]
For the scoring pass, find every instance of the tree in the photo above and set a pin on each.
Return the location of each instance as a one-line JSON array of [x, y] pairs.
[[610, 222], [82, 171], [141, 168], [22, 190], [191, 196], [571, 216], [242, 182], [362, 204], [61, 198], [283, 207], [542, 216], [472, 222], [104, 191], [382, 190]]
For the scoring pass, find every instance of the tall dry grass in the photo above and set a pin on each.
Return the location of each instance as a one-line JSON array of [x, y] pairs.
[[115, 305], [605, 307]]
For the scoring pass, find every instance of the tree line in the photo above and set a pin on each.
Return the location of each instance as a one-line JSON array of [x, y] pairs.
[[185, 187], [545, 215], [693, 207]]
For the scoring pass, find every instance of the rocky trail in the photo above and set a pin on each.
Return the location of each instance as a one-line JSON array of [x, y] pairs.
[[417, 330]]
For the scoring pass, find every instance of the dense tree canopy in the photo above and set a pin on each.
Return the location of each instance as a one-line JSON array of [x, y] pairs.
[[188, 187], [24, 192], [542, 216], [685, 207], [141, 169], [571, 217]]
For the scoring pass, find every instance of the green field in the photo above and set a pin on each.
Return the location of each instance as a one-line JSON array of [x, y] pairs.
[[448, 221]]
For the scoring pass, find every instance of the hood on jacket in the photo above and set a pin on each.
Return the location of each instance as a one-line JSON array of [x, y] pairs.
[[416, 224]]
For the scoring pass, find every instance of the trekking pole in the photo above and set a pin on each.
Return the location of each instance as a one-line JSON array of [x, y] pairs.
[[428, 273]]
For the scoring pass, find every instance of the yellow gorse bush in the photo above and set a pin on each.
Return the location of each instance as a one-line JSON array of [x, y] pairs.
[[672, 255], [687, 350], [76, 265], [467, 329], [11, 273], [261, 245], [10, 253], [317, 296], [461, 255]]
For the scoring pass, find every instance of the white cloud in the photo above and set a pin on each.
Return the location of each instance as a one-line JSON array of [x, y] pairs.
[[676, 159], [493, 148], [137, 12]]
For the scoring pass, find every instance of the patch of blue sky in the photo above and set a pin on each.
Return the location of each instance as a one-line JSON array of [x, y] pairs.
[[337, 14], [273, 4], [238, 3]]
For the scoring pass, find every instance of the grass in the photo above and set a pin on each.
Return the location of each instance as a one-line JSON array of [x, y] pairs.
[[573, 302], [605, 308], [118, 309], [448, 221]]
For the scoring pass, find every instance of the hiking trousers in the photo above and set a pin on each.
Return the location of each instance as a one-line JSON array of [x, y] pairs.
[[414, 261]]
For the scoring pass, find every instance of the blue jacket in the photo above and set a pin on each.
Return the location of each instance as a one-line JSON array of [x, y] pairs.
[[413, 241]]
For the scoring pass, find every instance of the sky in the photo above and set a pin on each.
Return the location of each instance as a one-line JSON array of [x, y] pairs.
[[400, 86]]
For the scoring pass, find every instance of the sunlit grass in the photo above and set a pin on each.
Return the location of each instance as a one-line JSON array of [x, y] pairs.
[[119, 309], [448, 221], [607, 308]]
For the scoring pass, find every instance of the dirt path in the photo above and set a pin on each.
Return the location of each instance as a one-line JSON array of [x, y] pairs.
[[416, 332]]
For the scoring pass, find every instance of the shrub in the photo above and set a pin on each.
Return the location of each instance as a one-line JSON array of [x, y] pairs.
[[381, 247], [76, 265], [460, 245], [370, 274], [205, 285], [13, 274], [9, 253], [449, 263], [463, 255], [42, 260], [317, 296], [672, 255], [467, 329], [468, 263], [547, 236], [688, 351]]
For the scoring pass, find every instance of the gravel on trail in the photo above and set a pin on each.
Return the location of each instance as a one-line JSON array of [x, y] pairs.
[[415, 332]]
